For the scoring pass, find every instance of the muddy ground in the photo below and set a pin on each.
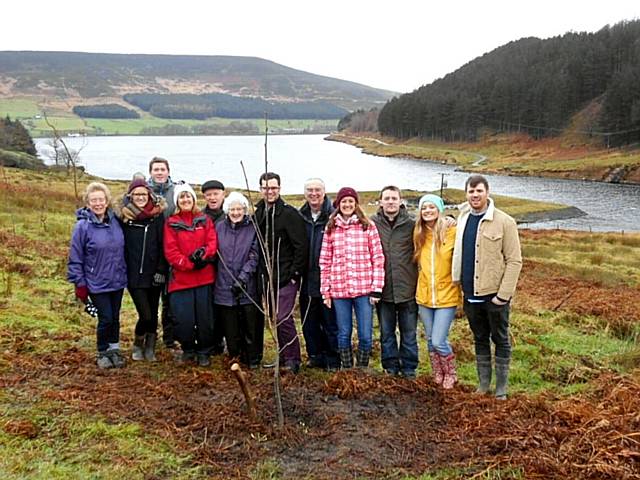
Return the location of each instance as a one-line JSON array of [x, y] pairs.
[[345, 425]]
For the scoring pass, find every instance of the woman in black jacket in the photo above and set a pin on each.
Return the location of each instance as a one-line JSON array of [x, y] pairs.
[[142, 223]]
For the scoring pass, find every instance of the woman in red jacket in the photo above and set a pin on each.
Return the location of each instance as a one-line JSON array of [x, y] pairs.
[[190, 243]]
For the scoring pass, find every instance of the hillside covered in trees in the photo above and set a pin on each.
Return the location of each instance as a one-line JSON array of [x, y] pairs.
[[16, 145], [13, 136], [533, 86], [188, 106]]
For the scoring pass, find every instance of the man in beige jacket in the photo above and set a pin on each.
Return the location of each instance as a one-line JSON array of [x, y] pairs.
[[487, 263]]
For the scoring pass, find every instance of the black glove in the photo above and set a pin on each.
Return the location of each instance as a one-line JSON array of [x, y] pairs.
[[238, 289], [197, 258]]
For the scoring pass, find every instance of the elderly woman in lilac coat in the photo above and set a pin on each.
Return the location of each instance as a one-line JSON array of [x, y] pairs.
[[235, 295], [98, 270]]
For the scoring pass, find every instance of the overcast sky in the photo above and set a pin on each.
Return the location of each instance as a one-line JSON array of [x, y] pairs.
[[396, 45]]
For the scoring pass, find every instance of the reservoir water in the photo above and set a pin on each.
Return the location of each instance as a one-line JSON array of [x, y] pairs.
[[609, 207]]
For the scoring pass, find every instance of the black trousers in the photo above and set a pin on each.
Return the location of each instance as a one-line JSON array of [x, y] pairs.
[[489, 323], [146, 301], [320, 331], [168, 321], [243, 327], [193, 310]]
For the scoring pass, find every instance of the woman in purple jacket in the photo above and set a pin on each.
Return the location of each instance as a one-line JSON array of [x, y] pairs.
[[235, 294], [97, 269]]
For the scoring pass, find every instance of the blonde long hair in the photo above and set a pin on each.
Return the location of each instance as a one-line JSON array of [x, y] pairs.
[[420, 231]]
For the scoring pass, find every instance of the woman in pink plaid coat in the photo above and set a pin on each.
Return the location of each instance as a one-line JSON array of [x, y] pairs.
[[351, 274]]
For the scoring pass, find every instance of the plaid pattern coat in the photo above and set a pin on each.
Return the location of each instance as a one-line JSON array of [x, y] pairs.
[[351, 260]]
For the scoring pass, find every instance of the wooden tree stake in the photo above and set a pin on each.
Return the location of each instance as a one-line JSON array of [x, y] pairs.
[[246, 390]]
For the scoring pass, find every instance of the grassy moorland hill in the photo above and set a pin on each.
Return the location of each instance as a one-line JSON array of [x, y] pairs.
[[190, 93], [573, 412]]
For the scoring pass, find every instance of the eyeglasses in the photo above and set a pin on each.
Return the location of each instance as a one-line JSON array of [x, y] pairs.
[[270, 189]]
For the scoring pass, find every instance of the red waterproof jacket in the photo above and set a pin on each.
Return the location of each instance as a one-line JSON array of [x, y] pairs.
[[184, 233]]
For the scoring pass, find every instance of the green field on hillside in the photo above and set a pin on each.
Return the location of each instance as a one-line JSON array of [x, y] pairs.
[[29, 111]]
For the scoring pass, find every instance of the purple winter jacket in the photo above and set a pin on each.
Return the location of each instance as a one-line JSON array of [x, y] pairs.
[[237, 258], [96, 256]]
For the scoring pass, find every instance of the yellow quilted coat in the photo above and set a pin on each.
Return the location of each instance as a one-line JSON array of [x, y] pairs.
[[435, 285]]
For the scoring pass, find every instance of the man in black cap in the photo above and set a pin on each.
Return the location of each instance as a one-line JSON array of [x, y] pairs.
[[213, 191]]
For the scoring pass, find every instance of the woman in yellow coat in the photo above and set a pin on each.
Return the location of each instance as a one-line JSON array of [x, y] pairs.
[[436, 294]]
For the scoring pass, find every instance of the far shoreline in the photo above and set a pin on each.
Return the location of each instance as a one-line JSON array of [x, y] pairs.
[[451, 155]]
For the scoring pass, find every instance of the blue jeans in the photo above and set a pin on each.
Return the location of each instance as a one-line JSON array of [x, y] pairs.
[[108, 328], [364, 318], [437, 322], [404, 316]]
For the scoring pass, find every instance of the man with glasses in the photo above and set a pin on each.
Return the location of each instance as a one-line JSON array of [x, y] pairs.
[[286, 253]]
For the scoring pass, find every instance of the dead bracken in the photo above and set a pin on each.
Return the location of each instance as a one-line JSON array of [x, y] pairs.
[[349, 424]]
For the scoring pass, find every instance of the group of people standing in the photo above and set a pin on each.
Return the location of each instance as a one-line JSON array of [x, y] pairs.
[[219, 270]]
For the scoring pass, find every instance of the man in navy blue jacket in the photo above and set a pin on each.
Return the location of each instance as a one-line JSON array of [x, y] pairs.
[[318, 321]]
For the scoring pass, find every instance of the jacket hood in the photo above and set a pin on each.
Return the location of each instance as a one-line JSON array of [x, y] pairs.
[[85, 213], [342, 222]]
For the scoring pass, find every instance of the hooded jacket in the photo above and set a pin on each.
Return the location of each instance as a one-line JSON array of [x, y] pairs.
[[315, 233], [144, 252], [237, 260], [184, 233], [351, 260], [96, 255], [400, 271], [435, 285], [287, 239]]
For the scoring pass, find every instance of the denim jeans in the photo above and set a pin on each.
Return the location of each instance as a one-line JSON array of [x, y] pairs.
[[437, 322], [320, 331], [404, 317], [108, 328], [364, 319], [489, 322]]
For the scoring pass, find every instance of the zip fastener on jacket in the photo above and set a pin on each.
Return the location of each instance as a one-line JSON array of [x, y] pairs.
[[433, 270], [144, 246]]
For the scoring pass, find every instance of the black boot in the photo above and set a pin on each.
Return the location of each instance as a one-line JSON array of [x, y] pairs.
[[137, 352], [502, 377], [116, 358], [203, 360], [346, 358], [483, 367], [150, 347]]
